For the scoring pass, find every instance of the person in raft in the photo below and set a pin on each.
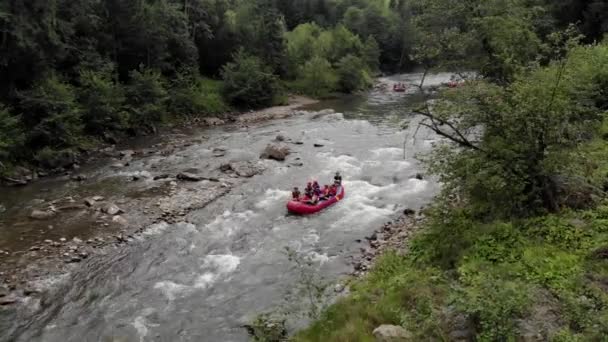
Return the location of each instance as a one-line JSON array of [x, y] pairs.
[[295, 194], [316, 188], [326, 192], [308, 190], [338, 178]]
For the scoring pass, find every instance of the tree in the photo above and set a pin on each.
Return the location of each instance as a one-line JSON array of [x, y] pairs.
[[371, 53], [317, 78], [510, 144], [146, 99], [51, 114], [11, 133], [353, 74], [248, 82], [102, 100]]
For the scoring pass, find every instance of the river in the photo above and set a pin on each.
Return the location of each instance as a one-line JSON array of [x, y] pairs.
[[202, 279]]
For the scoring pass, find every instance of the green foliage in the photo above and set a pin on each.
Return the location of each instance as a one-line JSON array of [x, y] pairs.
[[191, 95], [11, 133], [146, 98], [102, 100], [353, 74], [512, 168], [317, 78], [248, 82], [51, 113], [371, 53], [265, 328]]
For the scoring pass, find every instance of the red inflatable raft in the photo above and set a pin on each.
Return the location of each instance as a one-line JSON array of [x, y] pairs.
[[303, 208]]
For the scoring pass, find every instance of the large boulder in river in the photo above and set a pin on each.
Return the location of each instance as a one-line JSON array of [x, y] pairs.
[[391, 333], [275, 152]]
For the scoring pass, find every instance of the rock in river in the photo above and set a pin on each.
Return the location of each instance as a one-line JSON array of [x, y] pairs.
[[391, 333], [276, 152], [111, 209], [187, 176], [42, 215], [120, 220], [243, 169]]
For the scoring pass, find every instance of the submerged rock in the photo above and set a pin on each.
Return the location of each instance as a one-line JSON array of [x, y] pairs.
[[275, 152], [246, 169], [78, 178], [391, 333], [187, 176], [120, 220], [42, 215], [112, 209]]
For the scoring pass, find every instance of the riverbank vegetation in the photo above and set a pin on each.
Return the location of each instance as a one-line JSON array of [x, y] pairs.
[[516, 245]]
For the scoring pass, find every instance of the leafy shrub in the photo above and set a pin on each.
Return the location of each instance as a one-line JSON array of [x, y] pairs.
[[51, 158], [191, 95], [248, 82], [353, 74], [317, 78], [51, 114], [11, 133], [102, 101], [494, 303], [146, 98]]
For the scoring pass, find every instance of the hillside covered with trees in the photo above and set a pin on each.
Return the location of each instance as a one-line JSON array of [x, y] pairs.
[[76, 72]]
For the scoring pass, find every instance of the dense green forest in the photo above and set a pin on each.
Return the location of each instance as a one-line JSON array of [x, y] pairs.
[[73, 73]]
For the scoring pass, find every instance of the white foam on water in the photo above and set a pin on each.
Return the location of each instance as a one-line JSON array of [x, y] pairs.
[[228, 223], [171, 289], [273, 197], [349, 166], [387, 152], [312, 238], [221, 264], [319, 258], [141, 324], [358, 205], [156, 228]]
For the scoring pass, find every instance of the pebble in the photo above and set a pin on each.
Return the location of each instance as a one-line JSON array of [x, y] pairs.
[[76, 240], [338, 288], [63, 239]]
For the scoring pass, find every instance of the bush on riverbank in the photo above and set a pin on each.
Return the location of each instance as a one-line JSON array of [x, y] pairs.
[[248, 83]]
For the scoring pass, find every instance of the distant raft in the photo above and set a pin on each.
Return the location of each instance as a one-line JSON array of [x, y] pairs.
[[303, 208]]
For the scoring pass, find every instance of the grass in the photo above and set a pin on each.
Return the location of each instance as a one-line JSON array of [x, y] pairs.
[[508, 279]]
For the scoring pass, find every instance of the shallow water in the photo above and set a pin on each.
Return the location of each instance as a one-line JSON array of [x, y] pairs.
[[202, 280]]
